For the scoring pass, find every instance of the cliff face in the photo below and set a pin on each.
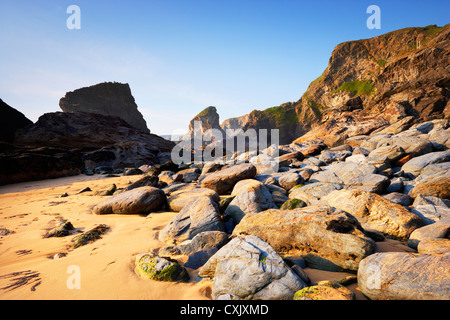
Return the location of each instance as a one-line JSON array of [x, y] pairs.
[[368, 84], [111, 99]]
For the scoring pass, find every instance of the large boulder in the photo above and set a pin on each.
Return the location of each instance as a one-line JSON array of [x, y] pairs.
[[342, 172], [249, 268], [199, 215], [250, 196], [375, 212], [111, 99], [405, 276], [434, 231], [327, 238], [141, 200], [224, 180], [179, 199]]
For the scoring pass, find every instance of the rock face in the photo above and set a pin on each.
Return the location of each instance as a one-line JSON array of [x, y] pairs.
[[10, 121], [330, 238], [368, 85], [249, 268], [61, 144], [405, 276], [141, 200], [111, 99]]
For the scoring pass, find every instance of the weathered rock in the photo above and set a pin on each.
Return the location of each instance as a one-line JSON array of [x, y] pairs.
[[290, 179], [152, 267], [63, 229], [199, 215], [249, 268], [342, 172], [392, 152], [375, 212], [141, 200], [313, 192], [431, 213], [111, 99], [170, 177], [405, 276], [415, 166], [190, 175], [146, 181], [224, 180], [202, 241], [399, 198], [371, 183], [250, 196], [440, 189], [179, 199], [438, 230], [327, 238], [328, 156], [434, 246], [90, 236], [109, 191]]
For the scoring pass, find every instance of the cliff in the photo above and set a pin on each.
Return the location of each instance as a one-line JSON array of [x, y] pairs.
[[109, 98]]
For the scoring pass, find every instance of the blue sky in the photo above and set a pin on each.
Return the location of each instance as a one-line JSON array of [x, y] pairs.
[[180, 56]]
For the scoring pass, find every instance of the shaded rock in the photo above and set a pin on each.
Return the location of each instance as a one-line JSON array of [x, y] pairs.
[[146, 181], [250, 196], [392, 152], [375, 212], [109, 191], [169, 177], [249, 268], [179, 199], [199, 215], [324, 236], [399, 198], [438, 230], [435, 201], [152, 267], [10, 121], [405, 276], [141, 200], [132, 171], [190, 175], [112, 99], [62, 230], [328, 156], [224, 180], [396, 186]]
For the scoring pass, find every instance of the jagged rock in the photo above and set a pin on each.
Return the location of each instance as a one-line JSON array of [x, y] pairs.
[[199, 215], [141, 200], [405, 276], [249, 268], [224, 180], [327, 238], [375, 212], [111, 99]]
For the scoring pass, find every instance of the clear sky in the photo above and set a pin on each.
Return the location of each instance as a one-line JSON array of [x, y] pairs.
[[180, 56]]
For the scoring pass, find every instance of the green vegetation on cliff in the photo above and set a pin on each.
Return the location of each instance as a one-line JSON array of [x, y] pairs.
[[359, 87]]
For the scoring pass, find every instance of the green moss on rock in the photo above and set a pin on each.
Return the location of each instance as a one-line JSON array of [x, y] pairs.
[[157, 268]]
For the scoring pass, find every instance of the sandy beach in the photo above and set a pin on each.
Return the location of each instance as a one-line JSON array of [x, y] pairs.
[[28, 269]]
